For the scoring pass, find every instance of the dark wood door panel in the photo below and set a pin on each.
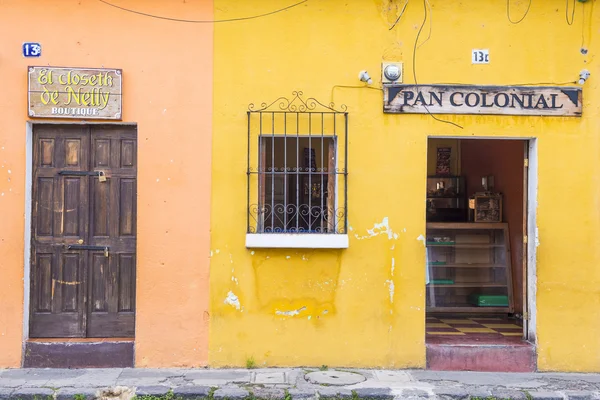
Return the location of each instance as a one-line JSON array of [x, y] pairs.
[[57, 289], [83, 292]]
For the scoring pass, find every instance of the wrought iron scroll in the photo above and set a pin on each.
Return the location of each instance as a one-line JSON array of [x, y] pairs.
[[285, 195], [296, 104]]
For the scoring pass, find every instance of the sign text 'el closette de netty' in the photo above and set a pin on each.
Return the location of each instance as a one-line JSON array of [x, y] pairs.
[[82, 93]]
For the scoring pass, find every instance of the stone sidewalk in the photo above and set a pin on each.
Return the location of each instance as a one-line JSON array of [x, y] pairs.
[[289, 384]]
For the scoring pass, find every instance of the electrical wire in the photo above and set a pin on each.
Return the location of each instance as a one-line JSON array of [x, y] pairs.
[[414, 67], [572, 13], [430, 24], [191, 21], [399, 16], [508, 12]]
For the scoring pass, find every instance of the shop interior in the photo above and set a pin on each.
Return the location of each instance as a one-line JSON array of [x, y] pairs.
[[475, 273]]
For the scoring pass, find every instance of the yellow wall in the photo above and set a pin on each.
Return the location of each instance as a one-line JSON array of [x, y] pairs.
[[318, 45], [167, 91]]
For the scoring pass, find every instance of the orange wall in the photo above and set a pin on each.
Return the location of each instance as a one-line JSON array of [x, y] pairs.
[[504, 160], [167, 86]]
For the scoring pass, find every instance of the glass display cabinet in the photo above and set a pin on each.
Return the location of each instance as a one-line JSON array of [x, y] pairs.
[[468, 268], [446, 199]]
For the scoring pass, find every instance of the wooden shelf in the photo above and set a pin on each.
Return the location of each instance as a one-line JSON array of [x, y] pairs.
[[476, 257], [467, 225], [468, 246], [466, 285], [467, 265]]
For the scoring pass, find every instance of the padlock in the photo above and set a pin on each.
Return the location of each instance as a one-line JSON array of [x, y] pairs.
[[101, 176]]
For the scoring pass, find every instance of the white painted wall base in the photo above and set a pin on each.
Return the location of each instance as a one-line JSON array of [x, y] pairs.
[[296, 241]]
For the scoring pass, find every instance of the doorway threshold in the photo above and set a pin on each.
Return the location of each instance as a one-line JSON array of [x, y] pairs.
[[482, 344], [79, 353]]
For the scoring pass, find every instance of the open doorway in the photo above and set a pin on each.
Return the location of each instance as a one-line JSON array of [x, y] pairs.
[[476, 277]]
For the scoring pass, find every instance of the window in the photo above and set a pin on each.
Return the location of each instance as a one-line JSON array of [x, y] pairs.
[[297, 178]]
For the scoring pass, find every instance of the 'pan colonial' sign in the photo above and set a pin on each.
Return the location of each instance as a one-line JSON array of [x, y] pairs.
[[81, 93], [464, 99]]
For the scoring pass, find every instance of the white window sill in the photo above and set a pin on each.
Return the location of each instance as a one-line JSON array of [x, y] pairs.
[[296, 241]]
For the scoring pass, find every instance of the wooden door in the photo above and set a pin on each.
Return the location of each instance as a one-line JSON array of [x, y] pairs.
[[83, 231]]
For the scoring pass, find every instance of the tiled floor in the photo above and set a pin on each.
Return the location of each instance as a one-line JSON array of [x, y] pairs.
[[473, 328]]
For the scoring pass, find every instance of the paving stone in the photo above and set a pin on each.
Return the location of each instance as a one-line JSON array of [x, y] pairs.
[[192, 392], [478, 392], [93, 378], [16, 373], [546, 396], [380, 393], [269, 378], [70, 393], [335, 378], [152, 390], [232, 376], [295, 377], [274, 394], [32, 393], [392, 376], [231, 393], [140, 373], [509, 394], [328, 393], [302, 393], [451, 393], [579, 395]]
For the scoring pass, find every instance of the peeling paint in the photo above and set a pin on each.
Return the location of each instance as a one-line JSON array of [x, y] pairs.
[[379, 228], [232, 300], [252, 253], [290, 313], [421, 238], [393, 265], [391, 289]]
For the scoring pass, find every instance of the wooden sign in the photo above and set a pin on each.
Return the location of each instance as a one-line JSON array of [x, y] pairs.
[[464, 99], [80, 93]]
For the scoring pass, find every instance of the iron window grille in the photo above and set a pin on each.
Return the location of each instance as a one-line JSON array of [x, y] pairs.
[[297, 167]]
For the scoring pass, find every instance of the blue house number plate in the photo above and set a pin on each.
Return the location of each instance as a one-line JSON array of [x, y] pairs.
[[31, 49]]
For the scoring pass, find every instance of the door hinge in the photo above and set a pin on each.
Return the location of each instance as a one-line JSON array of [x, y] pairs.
[[525, 238], [526, 162], [526, 316]]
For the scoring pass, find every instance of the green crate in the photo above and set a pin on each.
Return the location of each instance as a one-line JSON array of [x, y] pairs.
[[442, 282], [488, 300]]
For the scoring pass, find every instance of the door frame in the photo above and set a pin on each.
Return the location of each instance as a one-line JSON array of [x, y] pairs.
[[28, 204], [530, 249]]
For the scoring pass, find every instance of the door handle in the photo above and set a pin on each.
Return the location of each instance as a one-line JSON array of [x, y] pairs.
[[100, 174]]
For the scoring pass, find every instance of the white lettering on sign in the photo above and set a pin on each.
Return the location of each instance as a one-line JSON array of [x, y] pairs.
[[74, 111], [480, 56]]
